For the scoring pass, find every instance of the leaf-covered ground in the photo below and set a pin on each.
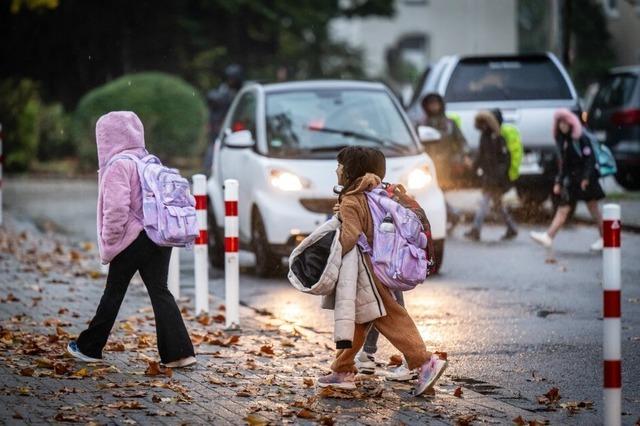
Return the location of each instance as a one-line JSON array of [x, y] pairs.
[[263, 374]]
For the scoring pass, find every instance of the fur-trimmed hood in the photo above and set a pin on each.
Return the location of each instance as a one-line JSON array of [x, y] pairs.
[[489, 119], [564, 114]]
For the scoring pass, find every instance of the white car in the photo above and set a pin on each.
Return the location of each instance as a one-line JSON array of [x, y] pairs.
[[280, 142]]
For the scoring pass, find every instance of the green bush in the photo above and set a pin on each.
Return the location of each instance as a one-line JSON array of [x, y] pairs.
[[19, 113], [172, 111], [55, 133]]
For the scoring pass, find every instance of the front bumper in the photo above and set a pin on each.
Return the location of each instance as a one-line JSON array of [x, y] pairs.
[[287, 221]]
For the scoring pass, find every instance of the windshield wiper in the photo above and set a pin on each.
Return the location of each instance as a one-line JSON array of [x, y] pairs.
[[387, 143], [327, 148]]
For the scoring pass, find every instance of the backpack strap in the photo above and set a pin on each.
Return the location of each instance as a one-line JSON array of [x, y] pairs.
[[120, 157]]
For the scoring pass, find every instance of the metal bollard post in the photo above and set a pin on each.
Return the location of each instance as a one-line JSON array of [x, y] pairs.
[[200, 252], [612, 353], [231, 248], [174, 273]]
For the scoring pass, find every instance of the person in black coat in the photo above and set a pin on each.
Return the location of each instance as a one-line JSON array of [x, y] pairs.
[[492, 165], [577, 178]]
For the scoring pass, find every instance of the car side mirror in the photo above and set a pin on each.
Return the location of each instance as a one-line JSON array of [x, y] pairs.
[[239, 139], [428, 134]]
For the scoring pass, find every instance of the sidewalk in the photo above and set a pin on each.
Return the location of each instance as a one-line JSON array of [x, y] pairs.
[[49, 288]]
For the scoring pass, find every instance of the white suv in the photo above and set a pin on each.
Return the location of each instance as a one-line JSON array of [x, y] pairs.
[[280, 142]]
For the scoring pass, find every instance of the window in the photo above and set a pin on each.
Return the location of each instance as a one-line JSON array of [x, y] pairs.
[[319, 122], [497, 79], [244, 116], [615, 91], [611, 8]]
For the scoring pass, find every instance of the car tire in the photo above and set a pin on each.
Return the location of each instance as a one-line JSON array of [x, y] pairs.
[[628, 180], [267, 264], [438, 256], [215, 242]]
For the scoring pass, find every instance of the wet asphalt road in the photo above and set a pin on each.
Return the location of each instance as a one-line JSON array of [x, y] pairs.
[[504, 312]]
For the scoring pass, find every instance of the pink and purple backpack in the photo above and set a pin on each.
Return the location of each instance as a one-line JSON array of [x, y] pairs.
[[167, 204], [400, 240]]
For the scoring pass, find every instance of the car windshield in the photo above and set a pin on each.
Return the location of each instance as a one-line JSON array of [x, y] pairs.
[[320, 122], [498, 79]]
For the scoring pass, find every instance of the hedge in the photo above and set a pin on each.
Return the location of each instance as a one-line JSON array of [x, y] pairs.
[[173, 113]]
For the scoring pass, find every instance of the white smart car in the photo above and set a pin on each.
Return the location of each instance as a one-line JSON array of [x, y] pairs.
[[280, 142]]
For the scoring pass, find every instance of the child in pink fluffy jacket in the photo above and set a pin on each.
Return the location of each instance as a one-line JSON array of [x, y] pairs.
[[126, 248]]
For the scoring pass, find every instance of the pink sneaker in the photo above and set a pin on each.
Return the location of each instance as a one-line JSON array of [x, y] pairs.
[[429, 374], [343, 380]]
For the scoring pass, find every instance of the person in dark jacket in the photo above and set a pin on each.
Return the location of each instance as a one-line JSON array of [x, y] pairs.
[[492, 165], [577, 178], [448, 154]]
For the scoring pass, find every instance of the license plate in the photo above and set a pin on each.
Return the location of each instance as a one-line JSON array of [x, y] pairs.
[[531, 164]]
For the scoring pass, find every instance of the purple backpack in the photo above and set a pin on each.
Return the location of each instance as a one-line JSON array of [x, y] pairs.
[[167, 204], [399, 254]]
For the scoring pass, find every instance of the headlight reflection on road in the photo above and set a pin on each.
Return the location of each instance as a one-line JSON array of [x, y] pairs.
[[292, 312]]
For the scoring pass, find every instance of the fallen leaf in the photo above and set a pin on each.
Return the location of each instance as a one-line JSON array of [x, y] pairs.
[[395, 360], [61, 368], [155, 369], [267, 350], [441, 355], [82, 373], [327, 421], [127, 405], [330, 392], [458, 392], [307, 382], [551, 260], [551, 397], [305, 414], [24, 390], [17, 416], [519, 421], [28, 372], [204, 319], [254, 419], [465, 420], [115, 347]]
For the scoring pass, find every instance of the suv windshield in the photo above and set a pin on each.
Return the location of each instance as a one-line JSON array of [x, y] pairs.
[[496, 79], [320, 122]]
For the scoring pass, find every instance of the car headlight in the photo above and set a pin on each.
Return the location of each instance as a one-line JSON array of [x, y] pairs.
[[285, 181], [419, 178]]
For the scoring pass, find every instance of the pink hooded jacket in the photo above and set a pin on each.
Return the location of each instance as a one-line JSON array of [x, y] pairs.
[[570, 118], [120, 218]]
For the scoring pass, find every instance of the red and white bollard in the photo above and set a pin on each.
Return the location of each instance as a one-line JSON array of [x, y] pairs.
[[231, 255], [200, 251], [1, 163], [612, 313], [173, 280]]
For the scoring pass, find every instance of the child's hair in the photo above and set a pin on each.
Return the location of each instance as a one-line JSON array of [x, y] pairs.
[[358, 161]]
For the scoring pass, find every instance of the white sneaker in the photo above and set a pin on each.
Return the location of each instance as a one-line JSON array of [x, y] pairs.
[[401, 373], [365, 363], [598, 245], [541, 238], [184, 362], [72, 349]]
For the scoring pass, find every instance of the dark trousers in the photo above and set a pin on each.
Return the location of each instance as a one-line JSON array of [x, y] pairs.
[[371, 342], [153, 263]]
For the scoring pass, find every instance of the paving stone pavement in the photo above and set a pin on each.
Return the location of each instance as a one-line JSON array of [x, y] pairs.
[[265, 373]]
